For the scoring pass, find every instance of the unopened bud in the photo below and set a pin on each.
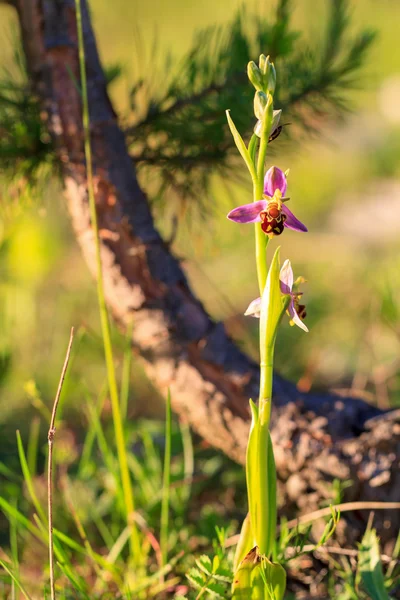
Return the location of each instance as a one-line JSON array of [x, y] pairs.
[[262, 62], [268, 73], [271, 79], [268, 112], [254, 75], [260, 102]]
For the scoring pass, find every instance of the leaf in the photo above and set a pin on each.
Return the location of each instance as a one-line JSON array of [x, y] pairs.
[[241, 146], [15, 580], [257, 577], [223, 575], [245, 543], [370, 567], [251, 470], [272, 509], [253, 147], [272, 309], [196, 578], [204, 564], [216, 590], [28, 479]]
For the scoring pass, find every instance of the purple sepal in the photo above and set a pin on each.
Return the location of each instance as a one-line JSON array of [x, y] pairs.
[[248, 213], [274, 179], [291, 221], [286, 277], [254, 309]]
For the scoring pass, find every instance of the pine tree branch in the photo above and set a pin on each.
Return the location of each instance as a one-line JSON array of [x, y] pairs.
[[312, 78]]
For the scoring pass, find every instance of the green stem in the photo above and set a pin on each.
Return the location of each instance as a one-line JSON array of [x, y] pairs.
[[266, 375], [264, 534], [265, 499], [105, 325], [261, 247]]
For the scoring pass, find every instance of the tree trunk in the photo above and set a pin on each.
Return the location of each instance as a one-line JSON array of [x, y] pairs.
[[317, 437]]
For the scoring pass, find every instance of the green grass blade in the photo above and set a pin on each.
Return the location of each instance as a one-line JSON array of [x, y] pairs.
[[126, 372], [105, 325], [188, 462], [117, 548], [33, 445], [103, 530], [370, 567], [14, 540], [28, 480], [166, 482], [12, 512], [16, 580], [90, 436], [8, 473], [77, 582]]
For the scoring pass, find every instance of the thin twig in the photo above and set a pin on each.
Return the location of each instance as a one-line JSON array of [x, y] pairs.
[[50, 437], [326, 512], [345, 507], [337, 550]]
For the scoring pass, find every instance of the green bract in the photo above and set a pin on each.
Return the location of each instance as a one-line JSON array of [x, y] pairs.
[[260, 102], [258, 579], [273, 306], [255, 76]]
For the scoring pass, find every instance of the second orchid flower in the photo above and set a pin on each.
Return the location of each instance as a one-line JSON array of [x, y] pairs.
[[295, 310]]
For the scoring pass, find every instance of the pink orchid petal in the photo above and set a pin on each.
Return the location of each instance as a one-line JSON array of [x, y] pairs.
[[291, 221], [295, 317], [275, 179], [286, 277], [254, 309], [248, 213]]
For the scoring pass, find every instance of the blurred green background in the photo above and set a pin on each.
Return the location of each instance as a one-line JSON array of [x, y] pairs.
[[345, 186]]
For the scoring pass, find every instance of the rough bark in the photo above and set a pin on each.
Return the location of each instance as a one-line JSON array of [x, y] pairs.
[[317, 437]]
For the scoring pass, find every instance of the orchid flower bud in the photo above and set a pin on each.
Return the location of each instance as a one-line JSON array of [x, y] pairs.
[[268, 74], [255, 76], [260, 103]]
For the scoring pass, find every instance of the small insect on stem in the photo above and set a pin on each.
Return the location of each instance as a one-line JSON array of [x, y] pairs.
[[277, 132]]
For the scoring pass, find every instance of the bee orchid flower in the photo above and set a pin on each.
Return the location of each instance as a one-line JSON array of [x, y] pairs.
[[271, 212], [295, 310]]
